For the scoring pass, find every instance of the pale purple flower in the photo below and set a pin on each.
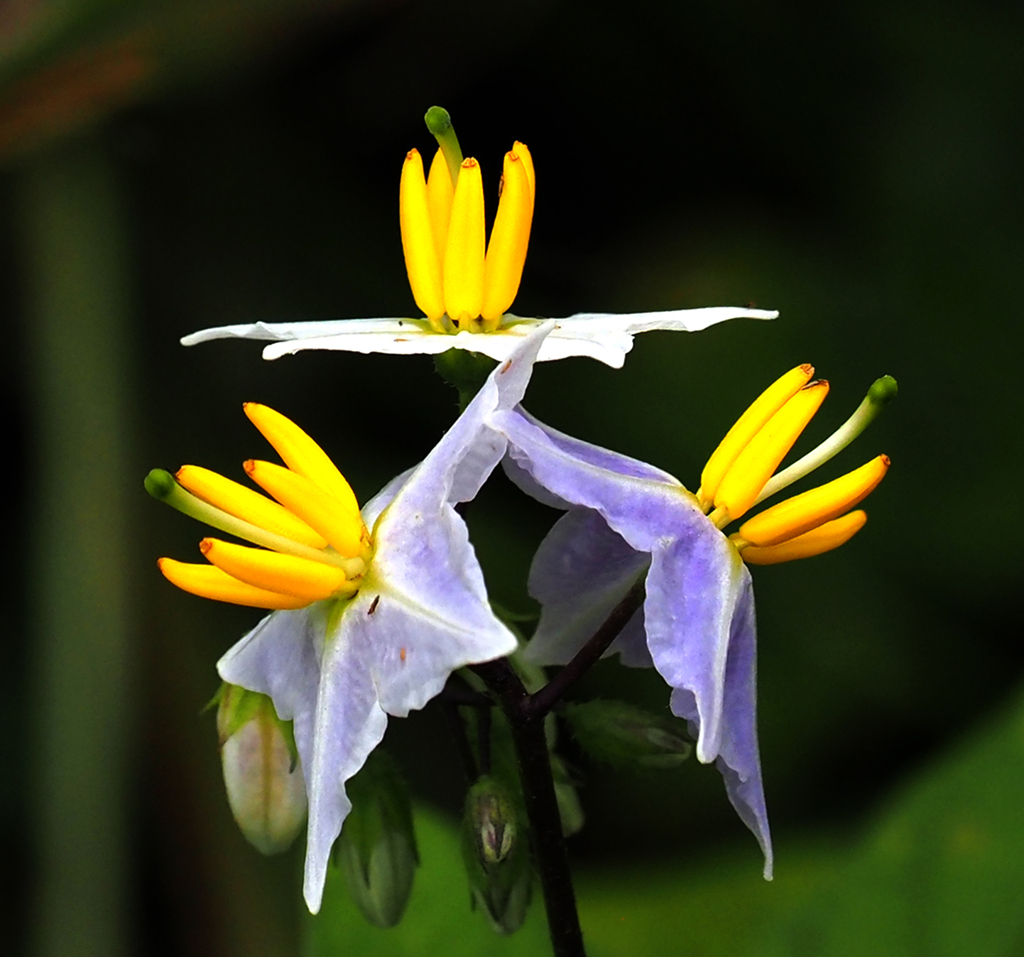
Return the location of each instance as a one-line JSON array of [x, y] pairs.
[[338, 668], [625, 520]]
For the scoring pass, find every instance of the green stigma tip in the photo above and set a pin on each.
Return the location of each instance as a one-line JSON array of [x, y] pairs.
[[160, 484], [438, 120], [882, 390]]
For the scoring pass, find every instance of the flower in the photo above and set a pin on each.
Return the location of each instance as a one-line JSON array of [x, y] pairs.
[[626, 519], [374, 608], [465, 286]]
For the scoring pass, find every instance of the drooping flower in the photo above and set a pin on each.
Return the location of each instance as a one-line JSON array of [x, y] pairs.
[[374, 608], [463, 284], [626, 519]]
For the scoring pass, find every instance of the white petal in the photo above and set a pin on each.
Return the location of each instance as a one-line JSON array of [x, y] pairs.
[[606, 337], [673, 320], [314, 329]]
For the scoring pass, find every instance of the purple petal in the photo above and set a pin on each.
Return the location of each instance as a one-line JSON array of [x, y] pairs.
[[738, 758], [430, 613], [692, 590], [349, 724], [280, 657], [581, 571], [639, 502]]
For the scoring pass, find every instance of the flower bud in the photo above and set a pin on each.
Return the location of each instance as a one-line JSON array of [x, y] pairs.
[[570, 811], [377, 847], [264, 782], [628, 737], [496, 852]]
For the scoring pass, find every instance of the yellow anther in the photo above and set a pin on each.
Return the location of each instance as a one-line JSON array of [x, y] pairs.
[[815, 542], [803, 512], [422, 260], [284, 574], [301, 454], [464, 255], [748, 425], [439, 201], [510, 236], [761, 456], [247, 505], [208, 581], [522, 151], [338, 524]]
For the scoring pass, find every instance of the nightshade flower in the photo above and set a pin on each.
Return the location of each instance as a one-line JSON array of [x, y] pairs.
[[626, 519], [463, 284], [373, 608]]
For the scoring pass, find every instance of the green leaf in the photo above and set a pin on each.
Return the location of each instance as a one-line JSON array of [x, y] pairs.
[[717, 906], [941, 873], [438, 920]]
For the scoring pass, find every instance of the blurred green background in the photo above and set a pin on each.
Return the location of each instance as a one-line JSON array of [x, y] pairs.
[[168, 166]]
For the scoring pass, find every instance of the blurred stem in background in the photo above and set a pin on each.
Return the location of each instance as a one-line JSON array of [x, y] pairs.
[[78, 309]]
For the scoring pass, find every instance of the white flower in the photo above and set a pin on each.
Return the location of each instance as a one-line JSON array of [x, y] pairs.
[[606, 337], [464, 290]]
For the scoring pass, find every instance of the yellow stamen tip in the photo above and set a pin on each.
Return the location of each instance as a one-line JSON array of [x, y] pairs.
[[208, 581], [463, 270], [749, 424], [822, 539], [301, 454], [813, 508], [341, 526], [510, 237], [247, 505], [440, 193], [285, 574], [759, 458], [422, 258]]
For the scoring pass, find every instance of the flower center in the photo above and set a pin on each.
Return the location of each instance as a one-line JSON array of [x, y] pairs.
[[315, 544], [740, 473], [458, 280]]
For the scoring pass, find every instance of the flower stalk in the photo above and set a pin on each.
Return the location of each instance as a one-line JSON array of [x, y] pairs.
[[526, 713]]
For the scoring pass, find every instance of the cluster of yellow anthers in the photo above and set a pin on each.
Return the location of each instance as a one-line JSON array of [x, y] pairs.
[[443, 236], [739, 475], [315, 543]]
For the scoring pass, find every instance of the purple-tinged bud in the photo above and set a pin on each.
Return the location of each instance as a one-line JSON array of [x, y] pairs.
[[496, 853], [264, 782]]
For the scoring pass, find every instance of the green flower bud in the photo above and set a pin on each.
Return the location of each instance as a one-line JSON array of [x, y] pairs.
[[569, 808], [628, 737], [265, 788], [496, 853], [377, 848]]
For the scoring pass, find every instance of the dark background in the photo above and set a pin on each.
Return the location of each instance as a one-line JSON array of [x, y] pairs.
[[173, 166]]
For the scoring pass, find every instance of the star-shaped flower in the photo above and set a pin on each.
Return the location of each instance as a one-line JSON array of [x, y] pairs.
[[626, 519], [465, 285], [374, 608]]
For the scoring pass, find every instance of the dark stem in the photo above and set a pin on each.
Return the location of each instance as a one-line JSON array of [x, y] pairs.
[[526, 714], [541, 807]]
